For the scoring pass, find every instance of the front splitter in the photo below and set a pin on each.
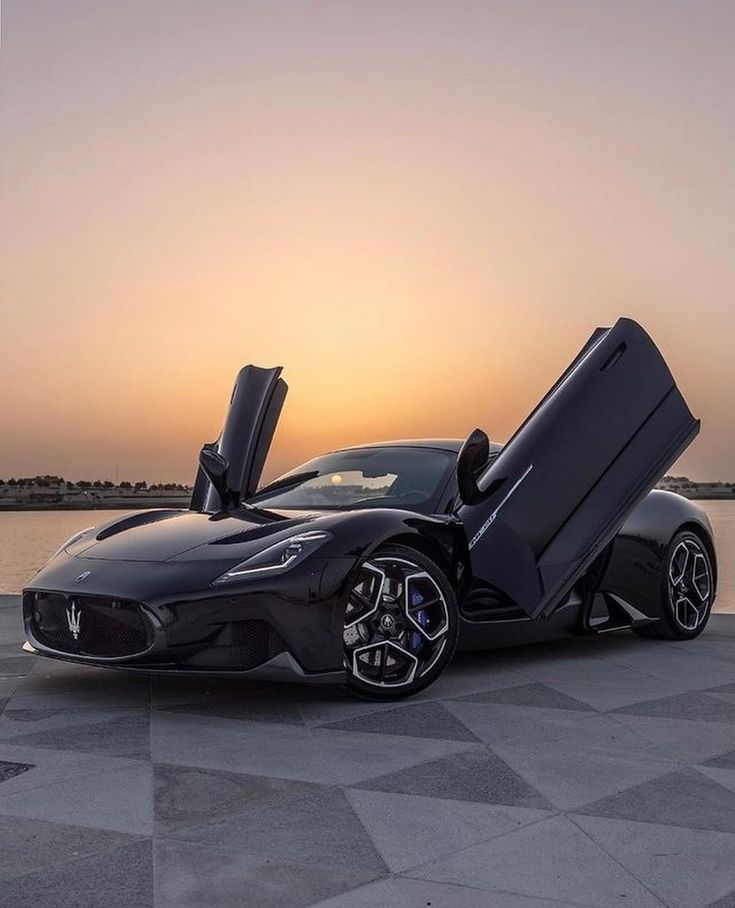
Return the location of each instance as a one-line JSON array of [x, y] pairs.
[[282, 667]]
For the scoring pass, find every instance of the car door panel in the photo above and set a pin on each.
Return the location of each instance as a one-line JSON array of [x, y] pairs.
[[255, 405], [597, 442]]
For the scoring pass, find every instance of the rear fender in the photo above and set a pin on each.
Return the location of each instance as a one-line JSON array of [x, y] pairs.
[[635, 562]]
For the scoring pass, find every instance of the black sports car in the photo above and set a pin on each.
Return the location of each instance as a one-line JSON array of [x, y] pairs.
[[371, 565]]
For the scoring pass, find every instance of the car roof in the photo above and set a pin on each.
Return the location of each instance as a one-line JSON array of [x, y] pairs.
[[443, 444]]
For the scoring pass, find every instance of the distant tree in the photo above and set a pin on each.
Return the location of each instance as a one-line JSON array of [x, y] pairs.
[[2, 482], [13, 482], [125, 484], [84, 484], [109, 485], [97, 484], [140, 486], [70, 485]]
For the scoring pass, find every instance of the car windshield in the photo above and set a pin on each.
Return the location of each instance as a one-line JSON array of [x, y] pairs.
[[390, 477]]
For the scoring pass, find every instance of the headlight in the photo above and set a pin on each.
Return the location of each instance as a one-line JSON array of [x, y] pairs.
[[72, 539], [278, 557]]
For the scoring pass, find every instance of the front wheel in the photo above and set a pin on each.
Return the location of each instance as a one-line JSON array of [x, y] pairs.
[[687, 590], [401, 624]]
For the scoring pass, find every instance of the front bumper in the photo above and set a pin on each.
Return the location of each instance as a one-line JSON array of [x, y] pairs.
[[197, 629], [282, 667]]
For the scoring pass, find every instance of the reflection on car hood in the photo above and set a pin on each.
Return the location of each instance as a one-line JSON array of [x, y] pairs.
[[159, 536]]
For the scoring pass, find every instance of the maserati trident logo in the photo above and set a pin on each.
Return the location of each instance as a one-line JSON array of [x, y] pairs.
[[74, 619]]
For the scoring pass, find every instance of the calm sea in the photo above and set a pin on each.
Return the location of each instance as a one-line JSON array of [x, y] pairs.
[[27, 538]]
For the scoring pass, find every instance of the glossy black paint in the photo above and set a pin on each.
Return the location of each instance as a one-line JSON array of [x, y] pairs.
[[562, 486], [581, 535]]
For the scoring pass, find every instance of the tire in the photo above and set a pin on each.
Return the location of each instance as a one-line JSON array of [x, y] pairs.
[[401, 624], [687, 590]]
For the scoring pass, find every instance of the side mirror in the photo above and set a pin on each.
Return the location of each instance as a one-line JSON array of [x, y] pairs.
[[215, 466], [473, 457]]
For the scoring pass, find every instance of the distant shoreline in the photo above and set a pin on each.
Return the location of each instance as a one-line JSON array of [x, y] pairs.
[[183, 503], [107, 504]]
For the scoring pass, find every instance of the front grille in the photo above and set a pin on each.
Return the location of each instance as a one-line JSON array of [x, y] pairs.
[[253, 643], [88, 625]]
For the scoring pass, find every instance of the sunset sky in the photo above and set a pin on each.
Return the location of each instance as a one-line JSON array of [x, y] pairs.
[[420, 209]]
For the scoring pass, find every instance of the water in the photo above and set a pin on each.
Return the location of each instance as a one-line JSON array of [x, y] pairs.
[[27, 538]]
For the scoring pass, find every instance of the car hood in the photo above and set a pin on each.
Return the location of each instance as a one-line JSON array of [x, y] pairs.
[[163, 535]]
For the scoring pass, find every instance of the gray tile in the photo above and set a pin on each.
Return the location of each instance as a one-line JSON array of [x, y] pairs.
[[11, 624], [189, 875], [120, 800], [354, 757], [594, 733], [15, 665], [721, 689], [724, 761], [493, 722], [471, 672], [52, 767], [318, 755], [54, 685], [186, 796], [8, 687], [419, 720], [409, 829], [552, 859], [538, 695], [685, 868], [320, 829], [406, 893], [601, 683], [123, 737], [328, 704], [684, 798], [683, 740], [697, 670], [119, 877], [724, 777], [711, 646], [268, 707], [570, 777], [692, 705], [475, 775], [16, 722], [212, 743], [10, 770], [33, 844]]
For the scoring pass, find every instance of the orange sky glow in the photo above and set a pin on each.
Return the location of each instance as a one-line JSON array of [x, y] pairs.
[[420, 209]]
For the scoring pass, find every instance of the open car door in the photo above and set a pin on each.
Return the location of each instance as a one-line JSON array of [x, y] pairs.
[[560, 489], [246, 437]]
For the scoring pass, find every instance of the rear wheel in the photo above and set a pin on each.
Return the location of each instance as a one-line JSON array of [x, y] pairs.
[[687, 590], [401, 624]]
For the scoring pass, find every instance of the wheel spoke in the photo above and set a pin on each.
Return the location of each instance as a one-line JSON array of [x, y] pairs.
[[679, 561]]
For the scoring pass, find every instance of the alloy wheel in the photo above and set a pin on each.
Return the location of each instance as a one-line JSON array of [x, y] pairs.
[[396, 623], [690, 584]]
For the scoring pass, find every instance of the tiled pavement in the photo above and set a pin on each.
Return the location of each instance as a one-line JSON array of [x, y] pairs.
[[596, 772]]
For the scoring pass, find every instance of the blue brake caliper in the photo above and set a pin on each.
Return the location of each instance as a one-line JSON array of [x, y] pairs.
[[421, 618]]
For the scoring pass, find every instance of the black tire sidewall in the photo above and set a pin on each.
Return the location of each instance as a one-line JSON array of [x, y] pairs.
[[368, 691]]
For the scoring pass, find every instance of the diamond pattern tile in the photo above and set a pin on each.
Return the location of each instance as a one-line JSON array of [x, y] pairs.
[[564, 775]]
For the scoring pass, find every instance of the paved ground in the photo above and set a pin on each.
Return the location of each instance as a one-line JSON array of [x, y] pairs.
[[599, 772]]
